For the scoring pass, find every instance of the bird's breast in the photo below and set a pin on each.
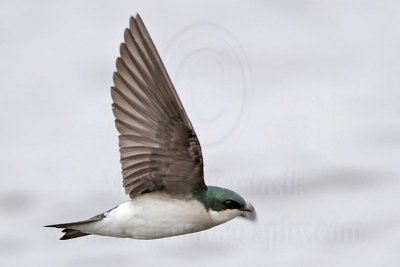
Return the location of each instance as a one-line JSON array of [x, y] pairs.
[[157, 215]]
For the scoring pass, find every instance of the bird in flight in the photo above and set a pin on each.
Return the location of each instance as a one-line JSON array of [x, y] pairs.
[[162, 163]]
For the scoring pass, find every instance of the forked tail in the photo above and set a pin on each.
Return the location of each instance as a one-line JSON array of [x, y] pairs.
[[70, 233]]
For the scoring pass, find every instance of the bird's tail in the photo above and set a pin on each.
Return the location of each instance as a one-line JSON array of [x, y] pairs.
[[70, 233], [68, 230]]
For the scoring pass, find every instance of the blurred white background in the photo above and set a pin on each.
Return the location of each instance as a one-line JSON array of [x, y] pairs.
[[296, 104]]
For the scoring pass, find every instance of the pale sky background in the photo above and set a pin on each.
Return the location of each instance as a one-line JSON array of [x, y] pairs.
[[296, 105]]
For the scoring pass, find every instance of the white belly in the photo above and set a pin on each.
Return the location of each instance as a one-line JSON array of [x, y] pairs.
[[152, 216]]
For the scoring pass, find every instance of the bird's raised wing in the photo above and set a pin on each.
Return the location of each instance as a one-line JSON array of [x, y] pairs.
[[159, 147]]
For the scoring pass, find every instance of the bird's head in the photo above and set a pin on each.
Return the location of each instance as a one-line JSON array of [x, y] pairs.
[[224, 205]]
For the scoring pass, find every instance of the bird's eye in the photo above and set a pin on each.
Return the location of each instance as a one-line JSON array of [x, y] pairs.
[[231, 204]]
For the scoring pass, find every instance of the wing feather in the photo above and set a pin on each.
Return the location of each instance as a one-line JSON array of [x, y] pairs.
[[158, 145]]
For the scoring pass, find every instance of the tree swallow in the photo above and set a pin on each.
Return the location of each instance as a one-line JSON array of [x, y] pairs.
[[162, 163]]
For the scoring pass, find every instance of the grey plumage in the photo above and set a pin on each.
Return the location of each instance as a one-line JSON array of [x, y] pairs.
[[159, 147]]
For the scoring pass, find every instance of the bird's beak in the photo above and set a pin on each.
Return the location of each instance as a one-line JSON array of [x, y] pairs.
[[249, 212]]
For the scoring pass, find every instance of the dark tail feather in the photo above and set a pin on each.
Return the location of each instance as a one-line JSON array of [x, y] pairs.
[[68, 225], [70, 233]]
